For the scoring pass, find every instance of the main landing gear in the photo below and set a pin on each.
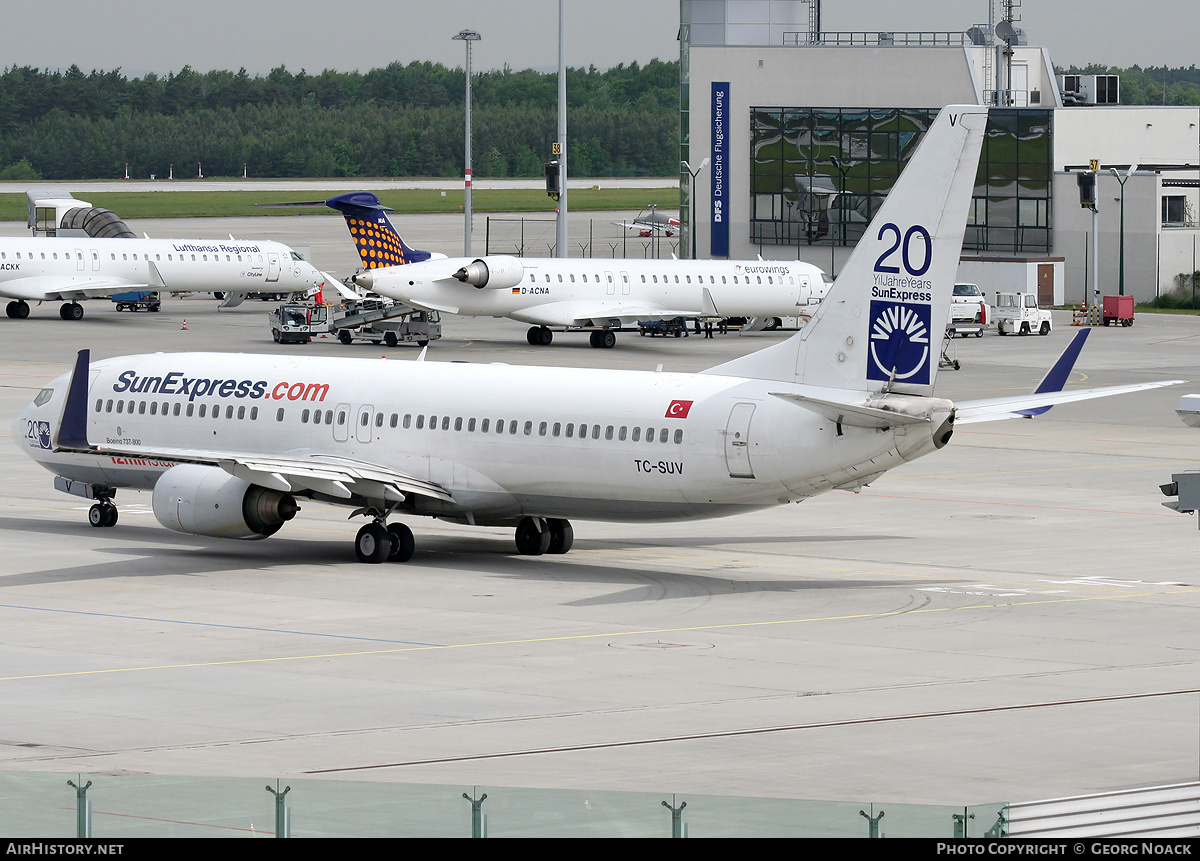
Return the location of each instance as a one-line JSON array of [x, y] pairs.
[[17, 309], [71, 311], [539, 336], [380, 541], [603, 339], [538, 535], [384, 542]]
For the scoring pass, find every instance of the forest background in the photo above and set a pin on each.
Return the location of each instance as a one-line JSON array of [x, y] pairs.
[[398, 121]]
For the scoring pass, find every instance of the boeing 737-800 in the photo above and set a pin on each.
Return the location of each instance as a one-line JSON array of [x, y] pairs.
[[572, 293], [230, 445], [68, 269]]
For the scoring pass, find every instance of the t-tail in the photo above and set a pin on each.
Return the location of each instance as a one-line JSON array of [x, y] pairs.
[[881, 326], [378, 243]]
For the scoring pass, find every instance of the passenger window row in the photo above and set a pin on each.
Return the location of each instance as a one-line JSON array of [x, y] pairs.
[[498, 427]]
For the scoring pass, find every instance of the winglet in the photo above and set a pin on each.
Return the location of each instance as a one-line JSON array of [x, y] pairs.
[[1057, 376], [72, 429]]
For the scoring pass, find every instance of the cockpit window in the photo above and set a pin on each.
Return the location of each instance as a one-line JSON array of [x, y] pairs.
[[296, 256], [43, 396]]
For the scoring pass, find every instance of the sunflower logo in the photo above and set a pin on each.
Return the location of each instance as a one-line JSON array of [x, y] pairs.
[[899, 342]]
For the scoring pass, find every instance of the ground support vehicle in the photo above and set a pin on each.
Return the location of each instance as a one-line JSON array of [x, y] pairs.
[[678, 327], [1018, 313], [137, 300], [968, 312], [375, 320], [1119, 310], [295, 324]]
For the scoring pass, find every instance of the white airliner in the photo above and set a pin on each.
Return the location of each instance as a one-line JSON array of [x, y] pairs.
[[68, 269], [231, 444], [575, 293]]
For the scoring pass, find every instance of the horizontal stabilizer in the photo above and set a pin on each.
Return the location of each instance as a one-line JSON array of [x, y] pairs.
[[1048, 393], [1028, 406], [854, 415]]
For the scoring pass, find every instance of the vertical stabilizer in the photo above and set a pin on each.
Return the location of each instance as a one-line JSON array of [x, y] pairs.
[[377, 241], [880, 328]]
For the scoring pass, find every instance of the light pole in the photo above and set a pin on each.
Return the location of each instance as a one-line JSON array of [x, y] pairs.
[[692, 209], [1121, 179], [841, 213], [467, 36]]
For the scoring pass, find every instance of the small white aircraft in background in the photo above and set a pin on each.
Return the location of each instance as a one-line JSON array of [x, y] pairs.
[[230, 445], [652, 224], [573, 293], [82, 266]]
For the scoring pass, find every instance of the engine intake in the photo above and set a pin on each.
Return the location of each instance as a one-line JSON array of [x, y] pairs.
[[498, 273], [205, 500]]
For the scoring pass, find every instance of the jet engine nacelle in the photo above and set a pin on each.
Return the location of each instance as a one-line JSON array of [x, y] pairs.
[[498, 273], [205, 500]]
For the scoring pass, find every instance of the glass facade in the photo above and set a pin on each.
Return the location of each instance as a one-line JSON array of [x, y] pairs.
[[818, 175]]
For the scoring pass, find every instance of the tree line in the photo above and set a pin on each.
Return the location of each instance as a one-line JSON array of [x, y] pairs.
[[401, 121]]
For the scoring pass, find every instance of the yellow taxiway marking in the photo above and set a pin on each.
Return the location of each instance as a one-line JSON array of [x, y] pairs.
[[569, 637]]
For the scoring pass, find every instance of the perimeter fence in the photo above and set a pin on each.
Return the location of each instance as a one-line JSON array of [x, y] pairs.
[[105, 806]]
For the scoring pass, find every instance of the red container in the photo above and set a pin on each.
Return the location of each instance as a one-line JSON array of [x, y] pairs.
[[1118, 309]]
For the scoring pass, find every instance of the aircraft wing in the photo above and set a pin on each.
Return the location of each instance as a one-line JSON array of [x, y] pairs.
[[38, 288], [599, 313], [333, 476], [1048, 393]]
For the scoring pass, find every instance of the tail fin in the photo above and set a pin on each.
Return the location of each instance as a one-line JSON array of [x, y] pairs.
[[377, 241], [881, 325]]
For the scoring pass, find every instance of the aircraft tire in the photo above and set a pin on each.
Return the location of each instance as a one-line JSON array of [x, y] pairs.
[[110, 515], [96, 515], [403, 544], [531, 336], [544, 336], [594, 339], [11, 309], [608, 340], [533, 538], [72, 311], [562, 536], [373, 544], [22, 309]]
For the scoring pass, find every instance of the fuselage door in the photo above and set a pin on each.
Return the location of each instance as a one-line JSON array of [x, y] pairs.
[[362, 424], [737, 441], [610, 285], [272, 267], [341, 422], [804, 292]]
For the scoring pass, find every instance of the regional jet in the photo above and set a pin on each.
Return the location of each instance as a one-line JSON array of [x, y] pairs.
[[231, 445], [71, 268], [569, 293]]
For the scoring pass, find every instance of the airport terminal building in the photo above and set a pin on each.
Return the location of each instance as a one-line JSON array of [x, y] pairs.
[[805, 132]]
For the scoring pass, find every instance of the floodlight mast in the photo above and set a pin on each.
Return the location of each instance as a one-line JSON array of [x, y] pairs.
[[467, 36]]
